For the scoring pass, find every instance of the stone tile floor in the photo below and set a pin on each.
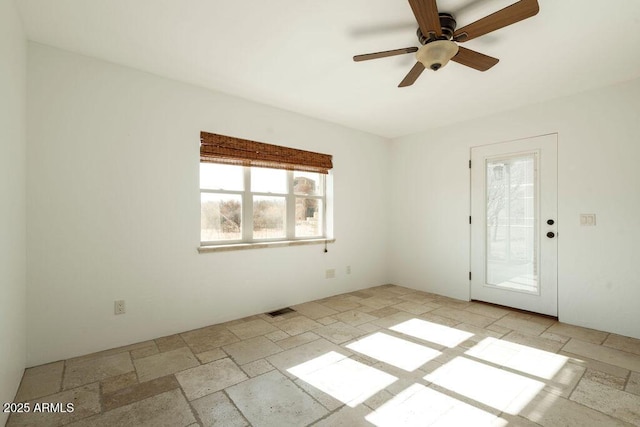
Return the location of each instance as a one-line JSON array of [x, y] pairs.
[[384, 356]]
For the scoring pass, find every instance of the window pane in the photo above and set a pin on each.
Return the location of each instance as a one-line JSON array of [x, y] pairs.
[[220, 217], [215, 176], [265, 180], [308, 217], [511, 223], [307, 183], [269, 215]]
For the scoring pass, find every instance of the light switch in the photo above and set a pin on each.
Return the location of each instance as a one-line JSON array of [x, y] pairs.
[[588, 219]]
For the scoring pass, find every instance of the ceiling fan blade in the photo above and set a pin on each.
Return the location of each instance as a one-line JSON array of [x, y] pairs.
[[426, 13], [413, 75], [473, 59], [384, 54], [509, 15]]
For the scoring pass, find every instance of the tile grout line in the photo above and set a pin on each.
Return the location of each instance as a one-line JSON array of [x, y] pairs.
[[593, 409], [136, 371], [547, 328], [564, 345], [626, 381], [184, 395], [619, 349], [330, 412], [606, 347], [576, 384], [64, 372], [461, 398], [101, 394], [224, 391]]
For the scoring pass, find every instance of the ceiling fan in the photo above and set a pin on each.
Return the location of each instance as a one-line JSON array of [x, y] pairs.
[[439, 38]]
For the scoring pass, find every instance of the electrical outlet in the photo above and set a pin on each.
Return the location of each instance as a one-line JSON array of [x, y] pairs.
[[588, 219], [348, 269], [330, 273], [119, 307]]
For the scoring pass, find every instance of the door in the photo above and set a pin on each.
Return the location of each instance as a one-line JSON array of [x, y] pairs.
[[514, 224]]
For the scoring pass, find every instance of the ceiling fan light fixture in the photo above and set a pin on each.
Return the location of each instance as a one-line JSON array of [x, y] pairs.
[[435, 55]]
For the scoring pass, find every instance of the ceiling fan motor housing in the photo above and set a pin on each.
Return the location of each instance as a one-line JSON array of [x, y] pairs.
[[438, 50], [448, 24]]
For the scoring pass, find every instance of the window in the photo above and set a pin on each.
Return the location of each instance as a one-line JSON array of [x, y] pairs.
[[245, 201]]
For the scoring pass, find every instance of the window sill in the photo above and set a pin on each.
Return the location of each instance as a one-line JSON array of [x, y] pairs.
[[260, 245]]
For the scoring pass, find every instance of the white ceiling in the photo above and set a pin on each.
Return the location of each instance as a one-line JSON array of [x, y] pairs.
[[296, 54]]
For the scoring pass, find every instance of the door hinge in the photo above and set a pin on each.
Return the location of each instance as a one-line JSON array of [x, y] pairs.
[[469, 164], [469, 275], [469, 219]]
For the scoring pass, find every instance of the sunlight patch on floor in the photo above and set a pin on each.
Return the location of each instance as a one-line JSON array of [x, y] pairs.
[[433, 332], [345, 379], [419, 405], [525, 359], [494, 387], [395, 351]]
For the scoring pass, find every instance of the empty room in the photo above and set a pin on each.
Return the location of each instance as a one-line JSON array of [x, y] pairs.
[[292, 213]]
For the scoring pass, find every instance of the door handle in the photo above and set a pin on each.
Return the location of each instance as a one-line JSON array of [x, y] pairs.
[[551, 235]]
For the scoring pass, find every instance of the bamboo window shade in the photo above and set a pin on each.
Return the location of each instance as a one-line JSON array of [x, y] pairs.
[[216, 148]]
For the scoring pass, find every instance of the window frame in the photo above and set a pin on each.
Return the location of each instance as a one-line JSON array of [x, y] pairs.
[[246, 221]]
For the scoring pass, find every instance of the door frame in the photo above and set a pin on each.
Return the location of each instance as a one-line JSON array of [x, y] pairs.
[[542, 226]]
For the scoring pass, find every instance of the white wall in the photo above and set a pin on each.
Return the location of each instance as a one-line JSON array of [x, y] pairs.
[[598, 153], [113, 208], [114, 211], [13, 51]]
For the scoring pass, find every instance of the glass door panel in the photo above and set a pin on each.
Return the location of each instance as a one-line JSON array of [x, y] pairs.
[[511, 230]]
